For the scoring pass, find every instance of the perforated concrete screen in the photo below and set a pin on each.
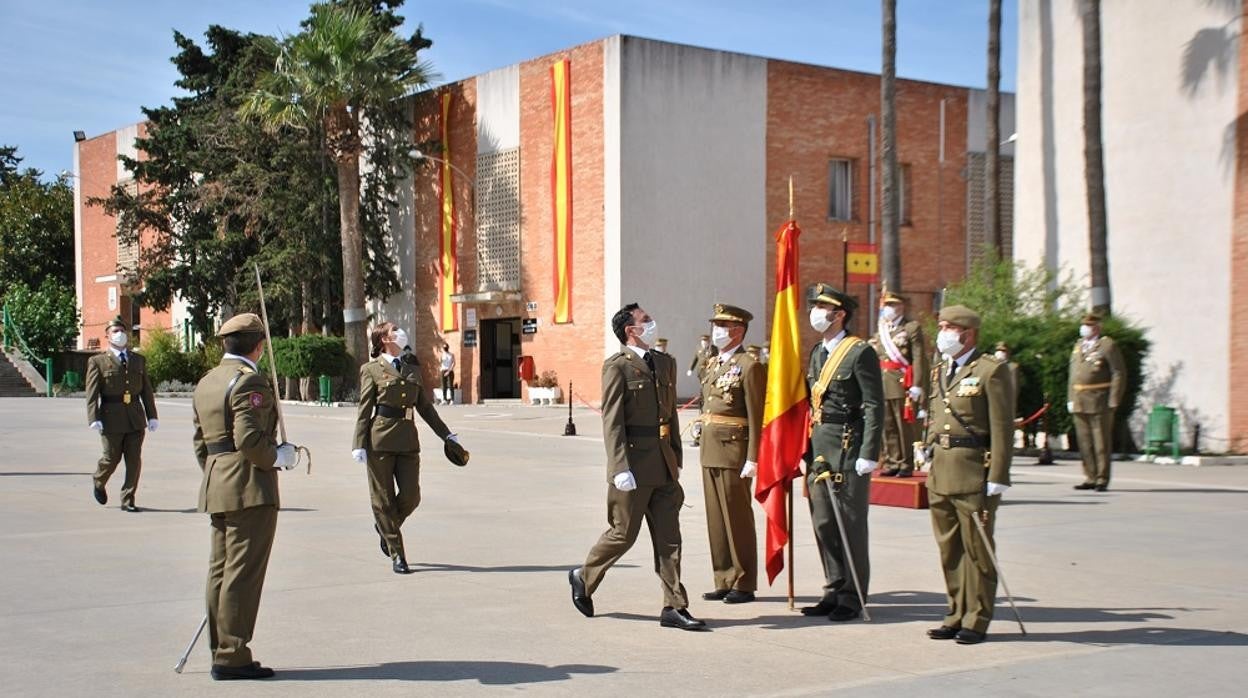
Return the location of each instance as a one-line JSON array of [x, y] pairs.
[[498, 220]]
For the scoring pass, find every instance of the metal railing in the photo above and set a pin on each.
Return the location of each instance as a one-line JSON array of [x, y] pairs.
[[11, 332]]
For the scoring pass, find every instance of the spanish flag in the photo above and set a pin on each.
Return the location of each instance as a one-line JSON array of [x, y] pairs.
[[787, 409], [448, 267], [561, 187]]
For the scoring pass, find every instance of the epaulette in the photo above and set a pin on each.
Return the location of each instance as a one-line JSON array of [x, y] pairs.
[[246, 369]]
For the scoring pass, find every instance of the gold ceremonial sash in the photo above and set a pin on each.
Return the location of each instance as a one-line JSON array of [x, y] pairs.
[[835, 359]]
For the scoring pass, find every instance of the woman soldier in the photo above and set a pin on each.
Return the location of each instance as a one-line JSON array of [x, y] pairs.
[[385, 436]]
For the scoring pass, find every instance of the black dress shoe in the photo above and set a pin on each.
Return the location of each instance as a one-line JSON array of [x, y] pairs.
[[580, 597], [101, 496], [1102, 488], [400, 566], [736, 596], [905, 473], [385, 548], [717, 595], [891, 472], [966, 636], [822, 608], [679, 618], [234, 673], [840, 614], [1086, 486], [130, 508], [944, 632]]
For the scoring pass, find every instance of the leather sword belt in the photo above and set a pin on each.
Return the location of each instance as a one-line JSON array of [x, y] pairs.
[[1093, 386], [837, 417], [391, 412], [110, 399], [215, 447], [947, 441], [725, 420], [661, 431]]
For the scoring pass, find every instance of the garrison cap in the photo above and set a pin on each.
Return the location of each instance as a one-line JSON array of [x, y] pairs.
[[116, 322], [243, 322], [825, 293], [1091, 319], [960, 315], [890, 297], [731, 313]]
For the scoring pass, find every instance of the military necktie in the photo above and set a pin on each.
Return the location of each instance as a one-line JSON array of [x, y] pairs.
[[396, 365], [649, 361], [122, 357]]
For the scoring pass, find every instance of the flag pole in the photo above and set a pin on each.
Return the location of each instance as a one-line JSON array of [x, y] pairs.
[[844, 260], [789, 485]]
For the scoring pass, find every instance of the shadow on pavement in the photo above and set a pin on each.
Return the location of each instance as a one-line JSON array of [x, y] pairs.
[[442, 567], [1194, 637], [45, 472], [486, 672], [1046, 502], [1183, 490]]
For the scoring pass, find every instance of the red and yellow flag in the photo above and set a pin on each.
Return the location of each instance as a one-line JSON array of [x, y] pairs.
[[448, 269], [862, 263], [787, 408], [561, 187]]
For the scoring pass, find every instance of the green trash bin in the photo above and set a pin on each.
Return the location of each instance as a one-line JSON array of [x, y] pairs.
[[1163, 428], [72, 380], [326, 387]]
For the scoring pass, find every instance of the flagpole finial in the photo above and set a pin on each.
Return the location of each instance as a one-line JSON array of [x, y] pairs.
[[844, 233], [791, 216]]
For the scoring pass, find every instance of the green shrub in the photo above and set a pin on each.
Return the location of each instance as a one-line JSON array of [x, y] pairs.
[[165, 359], [46, 318], [309, 356]]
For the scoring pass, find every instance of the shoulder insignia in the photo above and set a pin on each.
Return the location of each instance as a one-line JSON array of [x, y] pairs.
[[256, 399], [246, 369]]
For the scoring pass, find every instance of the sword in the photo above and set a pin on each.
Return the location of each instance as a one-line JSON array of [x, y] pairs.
[[268, 345], [177, 668], [826, 478], [983, 535]]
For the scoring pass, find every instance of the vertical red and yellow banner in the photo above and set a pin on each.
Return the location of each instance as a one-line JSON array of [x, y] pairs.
[[447, 264], [561, 187]]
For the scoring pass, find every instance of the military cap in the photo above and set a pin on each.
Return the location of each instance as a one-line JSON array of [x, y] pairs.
[[825, 293], [116, 322], [960, 315], [662, 340], [243, 322], [1091, 319], [731, 313], [455, 453], [752, 350], [706, 337], [1002, 346], [890, 297]]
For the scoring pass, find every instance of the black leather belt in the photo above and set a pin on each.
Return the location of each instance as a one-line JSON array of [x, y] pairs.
[[215, 447], [660, 431], [109, 399], [391, 412], [827, 418], [948, 441]]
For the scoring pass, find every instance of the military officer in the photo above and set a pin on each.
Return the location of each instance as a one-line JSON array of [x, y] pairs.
[[120, 404], [235, 418], [1002, 352], [971, 436], [642, 437], [904, 363], [386, 438], [661, 345], [847, 409], [1094, 389], [734, 388], [706, 351]]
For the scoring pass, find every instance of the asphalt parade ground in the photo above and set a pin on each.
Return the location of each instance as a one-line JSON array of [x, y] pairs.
[[1136, 591]]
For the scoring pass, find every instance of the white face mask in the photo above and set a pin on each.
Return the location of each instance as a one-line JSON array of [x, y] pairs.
[[1001, 356], [819, 319], [888, 313], [661, 349], [720, 337], [765, 355], [649, 333], [399, 337], [1085, 331], [949, 343], [118, 339]]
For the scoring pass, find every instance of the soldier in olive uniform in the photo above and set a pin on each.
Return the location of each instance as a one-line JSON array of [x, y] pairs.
[[386, 438], [971, 435], [706, 351], [120, 404], [235, 417], [734, 388], [1002, 352], [904, 364], [642, 437], [1096, 385], [847, 409]]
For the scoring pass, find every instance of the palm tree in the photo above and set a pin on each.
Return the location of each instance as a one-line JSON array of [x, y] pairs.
[[992, 174], [1093, 156], [329, 75], [888, 150]]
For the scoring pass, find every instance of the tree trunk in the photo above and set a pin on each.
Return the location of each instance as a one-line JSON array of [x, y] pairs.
[[992, 170], [305, 327], [1094, 164], [890, 232], [353, 312]]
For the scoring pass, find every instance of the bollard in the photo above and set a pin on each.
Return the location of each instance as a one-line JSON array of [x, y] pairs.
[[569, 429], [325, 387], [47, 372]]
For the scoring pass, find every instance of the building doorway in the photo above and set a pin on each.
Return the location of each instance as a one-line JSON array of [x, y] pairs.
[[500, 352]]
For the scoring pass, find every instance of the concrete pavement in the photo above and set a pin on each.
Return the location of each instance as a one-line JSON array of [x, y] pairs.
[[1139, 590]]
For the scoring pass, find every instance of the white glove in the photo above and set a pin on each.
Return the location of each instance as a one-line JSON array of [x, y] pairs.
[[359, 455], [921, 415], [625, 482], [152, 424], [689, 372], [916, 393], [1070, 407], [98, 426], [750, 469], [286, 457], [452, 437], [864, 466], [995, 489]]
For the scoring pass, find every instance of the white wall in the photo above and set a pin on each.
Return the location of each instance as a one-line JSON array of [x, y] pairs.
[[692, 168], [498, 110], [1169, 177]]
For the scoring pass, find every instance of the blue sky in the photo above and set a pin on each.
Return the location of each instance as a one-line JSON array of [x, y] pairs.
[[89, 65]]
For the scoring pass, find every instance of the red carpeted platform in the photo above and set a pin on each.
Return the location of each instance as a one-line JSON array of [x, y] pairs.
[[906, 492]]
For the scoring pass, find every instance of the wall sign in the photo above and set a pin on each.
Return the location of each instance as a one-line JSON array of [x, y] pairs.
[[531, 306], [470, 338], [528, 325], [470, 317]]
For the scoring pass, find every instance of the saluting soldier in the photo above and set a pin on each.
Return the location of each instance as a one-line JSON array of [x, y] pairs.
[[120, 404], [734, 388], [972, 440], [903, 355], [1094, 389], [386, 438], [642, 436], [236, 445], [847, 409]]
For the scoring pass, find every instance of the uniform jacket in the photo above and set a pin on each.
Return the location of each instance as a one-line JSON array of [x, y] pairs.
[[1099, 366], [700, 359], [980, 393], [856, 390], [633, 397], [381, 384], [244, 477], [736, 388], [106, 378], [908, 336]]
